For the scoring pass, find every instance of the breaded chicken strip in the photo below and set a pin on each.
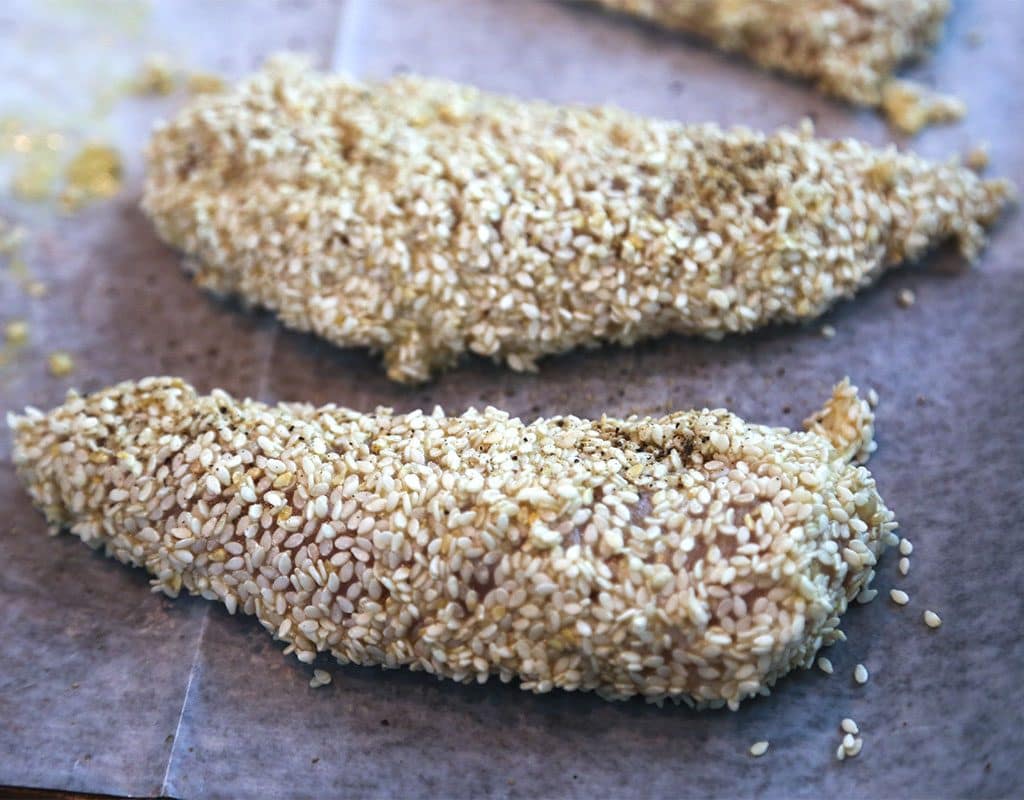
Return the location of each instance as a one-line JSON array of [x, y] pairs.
[[427, 220], [849, 49], [692, 557]]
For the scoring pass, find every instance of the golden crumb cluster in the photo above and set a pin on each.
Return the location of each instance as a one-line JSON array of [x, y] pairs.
[[851, 50], [426, 219], [691, 557]]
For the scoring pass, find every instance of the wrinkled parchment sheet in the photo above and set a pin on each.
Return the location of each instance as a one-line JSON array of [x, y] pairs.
[[105, 687]]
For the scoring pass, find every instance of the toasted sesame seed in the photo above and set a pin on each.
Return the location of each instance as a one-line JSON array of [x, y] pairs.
[[758, 749], [931, 619], [899, 597], [860, 674], [825, 665]]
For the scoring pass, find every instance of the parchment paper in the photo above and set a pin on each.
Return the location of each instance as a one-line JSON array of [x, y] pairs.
[[105, 687]]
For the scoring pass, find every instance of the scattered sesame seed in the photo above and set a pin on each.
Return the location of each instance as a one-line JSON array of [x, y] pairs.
[[905, 298], [758, 749], [931, 619], [427, 268], [840, 752], [849, 726], [899, 597], [828, 331], [16, 332], [906, 548], [872, 398], [860, 674], [977, 157], [155, 77], [825, 665], [866, 595], [320, 678], [204, 83], [904, 565], [445, 571], [60, 364]]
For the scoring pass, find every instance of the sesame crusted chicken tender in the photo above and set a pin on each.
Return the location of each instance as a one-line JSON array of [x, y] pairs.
[[850, 50], [426, 220], [691, 557]]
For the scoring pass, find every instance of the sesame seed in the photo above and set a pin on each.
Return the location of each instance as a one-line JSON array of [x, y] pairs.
[[905, 298], [828, 331], [931, 619], [825, 665], [860, 674], [60, 364], [904, 565], [849, 726], [320, 678], [758, 749], [906, 548], [16, 332], [899, 597]]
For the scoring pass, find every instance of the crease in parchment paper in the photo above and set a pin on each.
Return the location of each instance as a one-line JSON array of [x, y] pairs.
[[192, 672], [344, 41]]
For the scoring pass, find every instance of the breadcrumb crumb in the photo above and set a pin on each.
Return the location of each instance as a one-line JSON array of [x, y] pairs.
[[910, 106]]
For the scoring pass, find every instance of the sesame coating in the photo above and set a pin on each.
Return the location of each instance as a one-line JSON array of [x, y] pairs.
[[691, 557], [849, 49], [426, 220]]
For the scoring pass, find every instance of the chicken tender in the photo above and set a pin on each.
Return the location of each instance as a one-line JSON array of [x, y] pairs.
[[690, 557]]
